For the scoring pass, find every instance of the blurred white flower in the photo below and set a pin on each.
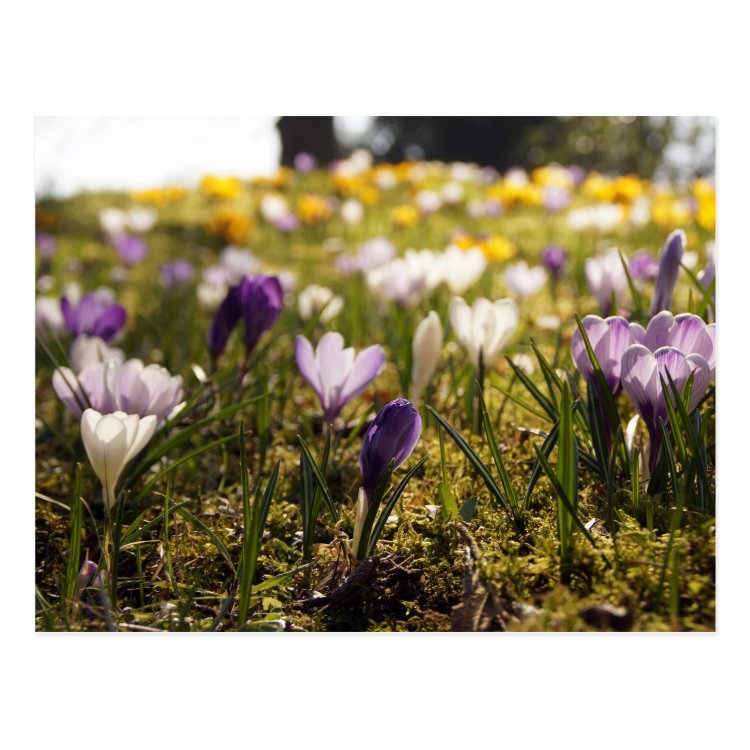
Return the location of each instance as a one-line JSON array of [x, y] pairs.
[[606, 279], [604, 217], [524, 362], [523, 281], [89, 350], [352, 212], [484, 327], [425, 348], [315, 299], [452, 193], [113, 221], [462, 269], [548, 322], [141, 220], [238, 263], [273, 206], [428, 201], [49, 317]]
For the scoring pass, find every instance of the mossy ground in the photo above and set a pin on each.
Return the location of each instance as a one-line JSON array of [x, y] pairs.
[[176, 578]]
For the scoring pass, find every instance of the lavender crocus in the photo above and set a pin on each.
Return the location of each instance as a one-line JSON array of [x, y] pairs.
[[606, 278], [643, 268], [95, 314], [391, 436], [305, 162], [553, 259], [286, 223], [258, 301], [642, 371], [334, 373], [130, 248], [555, 198], [669, 267], [46, 244], [177, 273]]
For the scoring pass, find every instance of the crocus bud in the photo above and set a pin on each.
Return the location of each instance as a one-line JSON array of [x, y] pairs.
[[425, 350], [94, 315], [224, 321], [553, 259], [391, 436], [111, 442], [90, 350], [669, 268], [260, 303]]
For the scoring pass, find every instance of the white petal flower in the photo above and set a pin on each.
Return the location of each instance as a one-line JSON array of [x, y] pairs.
[[89, 350], [484, 327], [316, 298], [111, 442], [425, 348]]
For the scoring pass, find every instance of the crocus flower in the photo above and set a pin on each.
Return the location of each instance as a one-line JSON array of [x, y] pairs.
[[177, 273], [49, 318], [485, 327], [397, 281], [352, 212], [334, 373], [555, 198], [258, 300], [553, 259], [111, 442], [113, 221], [461, 269], [606, 278], [319, 299], [273, 206], [425, 350], [641, 372], [87, 389], [130, 248], [686, 332], [89, 350], [609, 338], [522, 280], [95, 315], [286, 223], [669, 268], [370, 255], [391, 436], [142, 220], [143, 390], [643, 267]]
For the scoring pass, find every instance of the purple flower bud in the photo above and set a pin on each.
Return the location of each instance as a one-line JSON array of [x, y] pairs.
[[305, 162], [555, 198], [392, 436], [669, 268], [94, 315], [257, 300], [130, 248], [177, 273], [553, 259], [286, 223]]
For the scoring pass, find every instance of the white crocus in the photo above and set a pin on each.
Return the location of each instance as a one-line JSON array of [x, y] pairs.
[[49, 317], [523, 281], [425, 349], [90, 350], [485, 327], [142, 220], [319, 299], [111, 442], [352, 212], [273, 206], [462, 269]]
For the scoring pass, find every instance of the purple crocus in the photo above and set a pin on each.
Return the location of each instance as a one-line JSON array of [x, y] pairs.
[[305, 162], [257, 300], [391, 436], [553, 259], [669, 268], [334, 373], [643, 267], [130, 248], [609, 338], [177, 273], [95, 314], [286, 223], [555, 198], [642, 371]]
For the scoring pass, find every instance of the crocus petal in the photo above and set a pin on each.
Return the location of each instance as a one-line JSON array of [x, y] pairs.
[[658, 331], [691, 335], [226, 318], [109, 323], [701, 378], [305, 357], [368, 364]]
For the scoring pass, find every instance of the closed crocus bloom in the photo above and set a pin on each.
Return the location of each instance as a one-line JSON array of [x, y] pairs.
[[606, 278], [90, 350], [130, 248], [642, 371], [176, 273], [334, 373], [484, 327], [524, 281], [49, 317], [87, 389], [111, 442], [425, 350], [553, 259], [143, 390], [643, 267], [669, 268], [94, 315], [609, 338], [391, 436], [319, 299], [686, 332]]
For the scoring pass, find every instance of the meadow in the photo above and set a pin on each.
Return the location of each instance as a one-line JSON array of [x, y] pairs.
[[522, 438]]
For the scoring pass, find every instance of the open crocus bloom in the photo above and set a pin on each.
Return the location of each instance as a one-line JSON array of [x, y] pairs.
[[95, 315], [524, 281], [111, 442], [609, 338], [642, 371], [484, 327], [87, 389], [143, 390], [334, 373], [686, 332]]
